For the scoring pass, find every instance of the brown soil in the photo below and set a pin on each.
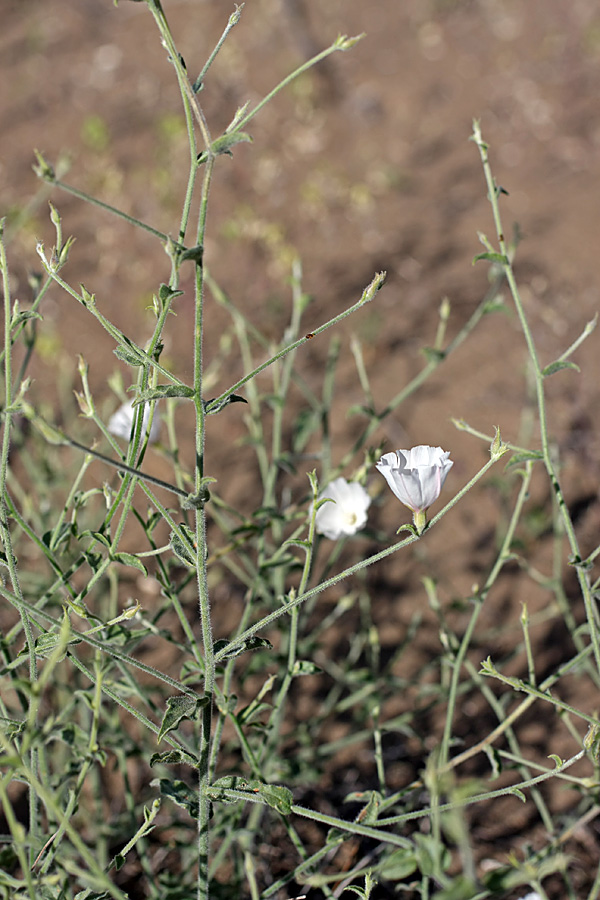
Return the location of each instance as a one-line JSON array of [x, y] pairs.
[[363, 165]]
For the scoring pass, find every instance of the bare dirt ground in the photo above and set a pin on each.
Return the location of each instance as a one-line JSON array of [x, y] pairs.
[[363, 165]]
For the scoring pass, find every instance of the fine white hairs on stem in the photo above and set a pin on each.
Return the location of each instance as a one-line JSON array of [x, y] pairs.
[[121, 422], [345, 510], [416, 477]]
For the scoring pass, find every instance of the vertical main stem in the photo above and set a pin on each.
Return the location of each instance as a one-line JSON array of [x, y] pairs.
[[190, 104], [203, 597]]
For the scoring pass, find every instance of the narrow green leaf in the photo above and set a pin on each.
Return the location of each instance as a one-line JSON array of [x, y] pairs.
[[224, 144], [172, 758], [128, 559], [47, 643], [23, 315], [525, 456], [129, 355], [558, 366], [492, 257], [164, 391], [180, 793], [276, 796], [253, 643], [399, 865], [304, 545], [211, 407], [251, 712], [97, 536], [495, 305]]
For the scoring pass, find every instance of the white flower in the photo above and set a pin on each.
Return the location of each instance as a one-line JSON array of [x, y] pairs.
[[121, 422], [346, 511], [416, 477]]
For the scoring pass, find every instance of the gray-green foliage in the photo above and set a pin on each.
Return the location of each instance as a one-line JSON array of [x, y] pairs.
[[207, 760]]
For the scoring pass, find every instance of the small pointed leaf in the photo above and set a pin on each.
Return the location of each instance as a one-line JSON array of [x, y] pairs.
[[172, 758], [184, 550], [128, 559], [211, 407], [253, 643], [558, 366], [195, 254], [305, 667], [166, 293], [492, 257], [180, 793], [183, 706], [129, 355], [164, 391]]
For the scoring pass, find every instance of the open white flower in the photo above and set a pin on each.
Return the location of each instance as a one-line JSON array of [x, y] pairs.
[[416, 477], [120, 423], [346, 511]]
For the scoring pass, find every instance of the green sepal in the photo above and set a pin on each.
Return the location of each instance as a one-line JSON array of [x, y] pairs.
[[408, 526], [343, 42], [43, 169]]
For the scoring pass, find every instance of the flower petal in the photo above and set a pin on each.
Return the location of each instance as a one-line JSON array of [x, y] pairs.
[[346, 513], [416, 476]]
